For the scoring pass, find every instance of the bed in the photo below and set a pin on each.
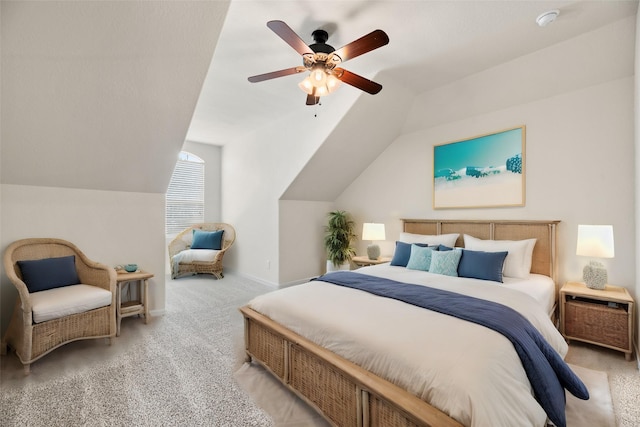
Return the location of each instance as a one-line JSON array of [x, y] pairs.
[[355, 357]]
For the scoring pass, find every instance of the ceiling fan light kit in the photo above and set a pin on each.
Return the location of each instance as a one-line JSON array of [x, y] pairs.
[[322, 60]]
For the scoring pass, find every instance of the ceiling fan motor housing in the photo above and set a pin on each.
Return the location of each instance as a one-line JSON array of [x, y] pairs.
[[320, 46]]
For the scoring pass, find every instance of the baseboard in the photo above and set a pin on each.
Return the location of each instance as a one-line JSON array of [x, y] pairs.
[[270, 284], [255, 279], [158, 312]]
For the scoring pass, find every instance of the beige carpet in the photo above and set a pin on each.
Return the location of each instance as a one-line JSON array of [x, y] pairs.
[[287, 410], [175, 371]]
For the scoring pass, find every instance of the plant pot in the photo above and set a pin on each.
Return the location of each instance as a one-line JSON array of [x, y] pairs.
[[331, 267]]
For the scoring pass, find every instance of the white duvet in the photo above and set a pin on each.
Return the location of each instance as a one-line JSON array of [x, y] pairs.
[[470, 372]]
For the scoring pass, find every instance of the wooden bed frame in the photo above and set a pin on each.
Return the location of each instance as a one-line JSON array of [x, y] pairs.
[[348, 395]]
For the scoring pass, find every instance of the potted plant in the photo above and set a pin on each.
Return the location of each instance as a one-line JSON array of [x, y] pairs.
[[338, 240]]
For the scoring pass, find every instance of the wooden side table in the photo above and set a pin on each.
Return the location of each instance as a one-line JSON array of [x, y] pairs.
[[362, 261], [601, 317], [133, 307]]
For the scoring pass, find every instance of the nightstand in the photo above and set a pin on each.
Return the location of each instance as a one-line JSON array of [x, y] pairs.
[[132, 307], [601, 317], [362, 261]]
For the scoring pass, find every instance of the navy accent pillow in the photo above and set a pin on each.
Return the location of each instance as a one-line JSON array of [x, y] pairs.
[[442, 247], [49, 273], [403, 252], [207, 239], [482, 265]]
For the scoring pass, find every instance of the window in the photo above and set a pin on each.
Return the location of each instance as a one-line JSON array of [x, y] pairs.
[[185, 196]]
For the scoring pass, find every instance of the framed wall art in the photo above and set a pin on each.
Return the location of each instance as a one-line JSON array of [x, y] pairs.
[[479, 172]]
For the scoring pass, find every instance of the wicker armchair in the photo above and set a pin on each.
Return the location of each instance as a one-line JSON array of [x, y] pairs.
[[32, 340], [183, 242]]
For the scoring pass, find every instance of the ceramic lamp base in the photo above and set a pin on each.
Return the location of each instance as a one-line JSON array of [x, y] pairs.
[[373, 251], [595, 275]]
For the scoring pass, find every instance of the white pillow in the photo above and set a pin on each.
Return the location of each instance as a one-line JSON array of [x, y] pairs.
[[431, 240], [518, 260]]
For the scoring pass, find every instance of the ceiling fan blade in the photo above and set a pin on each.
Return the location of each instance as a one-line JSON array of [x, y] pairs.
[[364, 44], [357, 81], [275, 74], [312, 100], [288, 35]]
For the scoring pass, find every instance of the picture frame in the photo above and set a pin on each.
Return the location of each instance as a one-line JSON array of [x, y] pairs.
[[480, 172]]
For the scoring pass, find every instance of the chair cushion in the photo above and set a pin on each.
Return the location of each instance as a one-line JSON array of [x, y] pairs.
[[48, 273], [199, 255], [207, 239], [64, 301]]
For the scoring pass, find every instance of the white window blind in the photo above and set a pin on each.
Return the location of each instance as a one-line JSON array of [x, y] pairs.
[[185, 196]]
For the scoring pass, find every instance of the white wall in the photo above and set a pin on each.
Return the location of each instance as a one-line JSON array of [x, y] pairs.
[[579, 149], [257, 170], [99, 95], [302, 230], [579, 169], [110, 227]]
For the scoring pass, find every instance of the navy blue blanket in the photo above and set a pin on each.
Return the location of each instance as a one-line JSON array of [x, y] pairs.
[[548, 374]]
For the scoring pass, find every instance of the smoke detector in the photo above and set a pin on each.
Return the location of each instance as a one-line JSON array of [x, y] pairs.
[[547, 18]]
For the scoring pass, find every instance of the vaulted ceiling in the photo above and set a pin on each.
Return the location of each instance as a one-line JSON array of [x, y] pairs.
[[102, 95], [99, 94], [432, 43]]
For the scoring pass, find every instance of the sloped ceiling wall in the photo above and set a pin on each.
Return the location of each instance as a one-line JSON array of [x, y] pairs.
[[365, 131], [99, 95]]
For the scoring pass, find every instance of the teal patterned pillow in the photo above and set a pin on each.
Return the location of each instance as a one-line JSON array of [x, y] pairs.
[[445, 262], [420, 258]]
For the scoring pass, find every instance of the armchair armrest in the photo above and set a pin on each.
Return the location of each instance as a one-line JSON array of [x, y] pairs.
[[176, 246], [97, 274], [23, 291]]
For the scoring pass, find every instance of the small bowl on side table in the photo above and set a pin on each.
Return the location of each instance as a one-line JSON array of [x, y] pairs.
[[131, 268]]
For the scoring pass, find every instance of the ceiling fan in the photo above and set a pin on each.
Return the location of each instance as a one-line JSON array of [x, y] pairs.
[[322, 61]]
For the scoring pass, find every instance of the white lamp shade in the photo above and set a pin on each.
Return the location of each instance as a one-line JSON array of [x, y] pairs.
[[595, 241], [372, 231]]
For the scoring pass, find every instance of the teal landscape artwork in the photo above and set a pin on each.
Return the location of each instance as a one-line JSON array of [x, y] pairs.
[[483, 171]]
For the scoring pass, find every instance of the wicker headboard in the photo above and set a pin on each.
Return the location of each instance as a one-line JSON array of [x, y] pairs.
[[544, 253]]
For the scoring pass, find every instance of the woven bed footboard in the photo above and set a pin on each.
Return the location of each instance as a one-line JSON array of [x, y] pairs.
[[342, 392]]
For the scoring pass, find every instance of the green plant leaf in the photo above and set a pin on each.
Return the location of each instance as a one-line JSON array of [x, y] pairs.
[[339, 237]]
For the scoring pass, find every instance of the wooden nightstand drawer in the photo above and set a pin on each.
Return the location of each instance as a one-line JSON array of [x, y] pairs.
[[598, 323]]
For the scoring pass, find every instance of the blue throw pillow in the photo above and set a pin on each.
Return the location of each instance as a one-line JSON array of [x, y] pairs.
[[49, 273], [442, 247], [402, 253], [445, 262], [207, 239], [420, 258], [482, 265]]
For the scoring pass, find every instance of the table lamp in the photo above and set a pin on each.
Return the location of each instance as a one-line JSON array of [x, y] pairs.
[[373, 232], [595, 241]]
